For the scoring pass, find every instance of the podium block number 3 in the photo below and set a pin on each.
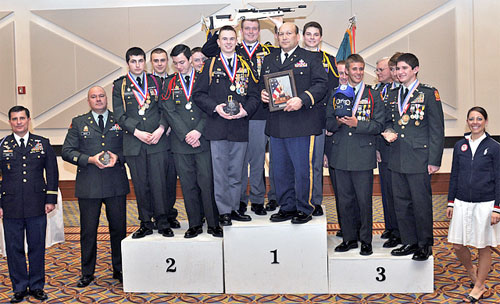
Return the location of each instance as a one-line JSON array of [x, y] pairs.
[[275, 256], [381, 274], [170, 265]]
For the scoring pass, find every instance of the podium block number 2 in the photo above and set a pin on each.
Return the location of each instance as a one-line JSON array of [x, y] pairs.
[[170, 265], [275, 256]]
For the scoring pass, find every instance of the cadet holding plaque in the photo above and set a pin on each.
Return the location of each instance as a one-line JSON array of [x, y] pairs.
[[227, 91], [94, 143]]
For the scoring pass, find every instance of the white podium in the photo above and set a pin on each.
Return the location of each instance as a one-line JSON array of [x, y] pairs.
[[350, 272], [173, 265], [265, 257]]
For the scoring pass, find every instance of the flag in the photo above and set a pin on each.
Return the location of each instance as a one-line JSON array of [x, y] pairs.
[[348, 45]]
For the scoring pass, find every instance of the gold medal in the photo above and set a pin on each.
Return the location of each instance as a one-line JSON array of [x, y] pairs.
[[232, 88], [405, 119], [400, 122], [417, 123]]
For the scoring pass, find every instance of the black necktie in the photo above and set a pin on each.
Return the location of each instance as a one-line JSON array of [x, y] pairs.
[[286, 56], [405, 92], [22, 143], [139, 81], [101, 122], [187, 79], [229, 63]]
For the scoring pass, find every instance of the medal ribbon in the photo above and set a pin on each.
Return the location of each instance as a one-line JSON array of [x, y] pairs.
[[252, 51], [226, 66], [189, 89], [141, 93], [384, 90], [404, 107], [358, 97]]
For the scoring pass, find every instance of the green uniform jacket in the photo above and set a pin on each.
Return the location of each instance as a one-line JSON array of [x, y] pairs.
[[421, 140], [183, 120], [85, 139], [126, 109], [353, 148]]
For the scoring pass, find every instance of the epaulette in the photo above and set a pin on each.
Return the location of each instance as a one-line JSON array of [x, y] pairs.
[[427, 86], [119, 78]]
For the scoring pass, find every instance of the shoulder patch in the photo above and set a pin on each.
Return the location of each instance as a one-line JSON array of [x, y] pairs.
[[436, 94]]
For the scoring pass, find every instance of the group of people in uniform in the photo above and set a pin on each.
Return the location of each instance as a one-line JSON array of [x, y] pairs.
[[208, 123]]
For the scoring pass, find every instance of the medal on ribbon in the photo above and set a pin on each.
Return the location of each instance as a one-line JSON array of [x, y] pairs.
[[188, 89], [402, 108], [141, 94], [230, 73], [358, 97], [251, 51]]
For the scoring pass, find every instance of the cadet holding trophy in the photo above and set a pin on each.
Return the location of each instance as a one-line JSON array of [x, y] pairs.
[[227, 91]]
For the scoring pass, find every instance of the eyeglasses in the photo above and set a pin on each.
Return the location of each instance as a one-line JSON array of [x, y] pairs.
[[379, 70]]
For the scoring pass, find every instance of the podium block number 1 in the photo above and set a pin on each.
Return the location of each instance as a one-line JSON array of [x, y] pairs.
[[170, 265], [275, 256]]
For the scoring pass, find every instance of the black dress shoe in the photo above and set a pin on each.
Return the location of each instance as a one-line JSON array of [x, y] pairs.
[[225, 219], [301, 218], [215, 231], [193, 232], [174, 223], [18, 296], [366, 249], [142, 232], [243, 208], [392, 242], [346, 246], [84, 281], [167, 232], [271, 205], [238, 216], [404, 250], [318, 210], [258, 209], [422, 253], [39, 294], [386, 234], [118, 275], [282, 216], [339, 233]]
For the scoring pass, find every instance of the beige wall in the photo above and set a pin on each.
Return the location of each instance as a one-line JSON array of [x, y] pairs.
[[58, 49]]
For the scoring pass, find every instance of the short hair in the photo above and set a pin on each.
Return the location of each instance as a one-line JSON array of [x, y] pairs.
[[158, 51], [227, 28], [134, 51], [409, 59], [313, 24], [251, 20], [382, 59], [181, 49], [296, 28], [393, 61], [353, 58], [16, 109], [341, 62], [481, 111], [196, 50]]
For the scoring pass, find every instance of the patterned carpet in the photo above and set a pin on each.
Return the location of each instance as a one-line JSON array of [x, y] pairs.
[[63, 270]]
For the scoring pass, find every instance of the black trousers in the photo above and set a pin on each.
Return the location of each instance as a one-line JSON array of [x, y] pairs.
[[355, 188], [171, 186], [195, 173], [413, 204], [90, 211], [149, 174]]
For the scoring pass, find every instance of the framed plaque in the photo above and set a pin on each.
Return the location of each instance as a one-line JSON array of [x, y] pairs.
[[281, 87]]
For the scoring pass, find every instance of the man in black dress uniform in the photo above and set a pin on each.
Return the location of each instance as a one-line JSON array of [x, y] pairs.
[[353, 155], [26, 199], [293, 129], [227, 83], [95, 144], [415, 129], [136, 107]]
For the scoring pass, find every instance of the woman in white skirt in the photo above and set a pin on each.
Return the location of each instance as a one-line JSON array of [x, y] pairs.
[[473, 200]]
